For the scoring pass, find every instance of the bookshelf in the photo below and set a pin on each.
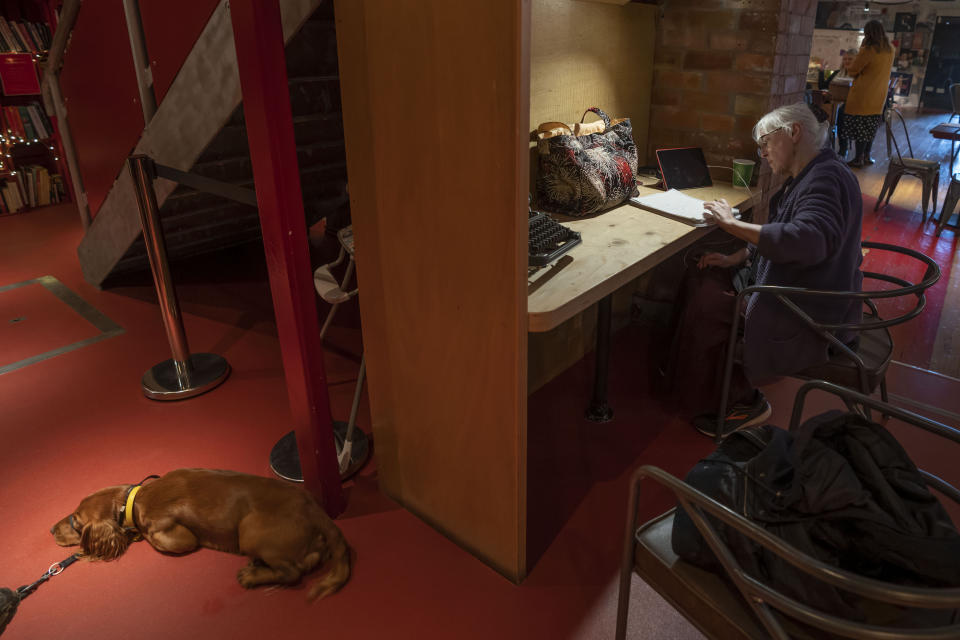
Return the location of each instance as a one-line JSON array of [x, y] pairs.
[[32, 171]]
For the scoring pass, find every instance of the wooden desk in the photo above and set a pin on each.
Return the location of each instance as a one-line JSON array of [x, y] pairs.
[[616, 247], [951, 132]]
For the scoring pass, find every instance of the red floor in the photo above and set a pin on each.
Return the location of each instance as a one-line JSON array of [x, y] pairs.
[[77, 422], [894, 225]]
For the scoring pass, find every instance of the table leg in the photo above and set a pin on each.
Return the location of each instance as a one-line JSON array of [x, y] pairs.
[[953, 155], [599, 410]]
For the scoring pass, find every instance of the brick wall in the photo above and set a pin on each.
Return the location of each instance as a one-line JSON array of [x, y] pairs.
[[722, 64]]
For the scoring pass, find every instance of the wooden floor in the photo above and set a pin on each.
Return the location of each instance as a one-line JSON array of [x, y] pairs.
[[946, 355]]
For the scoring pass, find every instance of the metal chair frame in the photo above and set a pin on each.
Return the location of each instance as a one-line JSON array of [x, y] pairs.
[[949, 201], [825, 330], [335, 296], [323, 278], [954, 91], [928, 173], [762, 599]]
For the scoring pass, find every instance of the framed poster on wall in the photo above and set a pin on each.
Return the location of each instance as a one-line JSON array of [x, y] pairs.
[[905, 84], [905, 23]]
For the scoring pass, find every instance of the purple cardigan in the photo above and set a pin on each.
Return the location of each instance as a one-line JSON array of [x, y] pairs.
[[812, 241]]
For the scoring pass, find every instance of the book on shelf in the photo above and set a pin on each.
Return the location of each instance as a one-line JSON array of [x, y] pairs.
[[58, 190], [11, 196], [30, 133], [33, 186], [28, 122], [24, 36], [10, 43], [21, 187], [43, 188]]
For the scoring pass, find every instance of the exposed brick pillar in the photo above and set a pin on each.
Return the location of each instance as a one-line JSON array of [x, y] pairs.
[[722, 64]]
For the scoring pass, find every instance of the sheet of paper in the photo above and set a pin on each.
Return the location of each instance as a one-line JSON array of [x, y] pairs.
[[677, 205], [674, 203]]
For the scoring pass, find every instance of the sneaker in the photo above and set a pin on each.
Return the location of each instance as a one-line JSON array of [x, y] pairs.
[[740, 416]]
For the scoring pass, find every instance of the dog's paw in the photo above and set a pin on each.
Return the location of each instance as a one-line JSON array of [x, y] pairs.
[[246, 576]]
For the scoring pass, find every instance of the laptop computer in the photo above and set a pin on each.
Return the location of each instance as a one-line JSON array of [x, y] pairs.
[[683, 168]]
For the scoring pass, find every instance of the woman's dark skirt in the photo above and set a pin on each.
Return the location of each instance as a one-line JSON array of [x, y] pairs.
[[859, 128]]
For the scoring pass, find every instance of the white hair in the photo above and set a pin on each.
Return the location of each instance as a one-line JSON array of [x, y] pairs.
[[788, 115]]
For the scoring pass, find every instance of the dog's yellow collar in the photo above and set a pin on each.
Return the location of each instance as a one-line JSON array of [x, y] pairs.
[[128, 508]]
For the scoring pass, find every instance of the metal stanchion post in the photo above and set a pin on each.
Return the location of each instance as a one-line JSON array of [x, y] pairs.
[[184, 375]]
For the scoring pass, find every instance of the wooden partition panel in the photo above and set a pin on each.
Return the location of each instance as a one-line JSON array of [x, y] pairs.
[[436, 110]]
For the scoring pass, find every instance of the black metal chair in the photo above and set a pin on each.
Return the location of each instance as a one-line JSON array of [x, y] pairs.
[[928, 171], [950, 200], [744, 607], [954, 90], [864, 369]]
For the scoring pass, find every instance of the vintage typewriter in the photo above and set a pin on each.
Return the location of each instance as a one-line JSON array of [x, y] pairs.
[[548, 239]]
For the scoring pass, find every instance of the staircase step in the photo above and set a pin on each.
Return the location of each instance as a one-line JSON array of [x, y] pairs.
[[315, 96], [314, 50], [136, 260], [308, 129], [240, 168]]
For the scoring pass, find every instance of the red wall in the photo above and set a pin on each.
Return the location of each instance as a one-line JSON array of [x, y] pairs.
[[171, 27], [99, 84], [99, 87]]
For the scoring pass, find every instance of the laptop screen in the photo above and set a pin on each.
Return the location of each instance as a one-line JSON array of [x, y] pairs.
[[683, 168]]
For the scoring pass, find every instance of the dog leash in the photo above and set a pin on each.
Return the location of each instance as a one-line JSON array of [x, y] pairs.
[[10, 599], [55, 569]]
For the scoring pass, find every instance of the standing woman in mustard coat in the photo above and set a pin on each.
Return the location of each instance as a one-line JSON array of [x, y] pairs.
[[871, 80]]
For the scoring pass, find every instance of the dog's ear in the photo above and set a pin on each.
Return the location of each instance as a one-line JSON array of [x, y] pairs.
[[103, 540]]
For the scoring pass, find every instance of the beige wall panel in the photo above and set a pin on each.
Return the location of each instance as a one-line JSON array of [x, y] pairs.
[[585, 54], [436, 107]]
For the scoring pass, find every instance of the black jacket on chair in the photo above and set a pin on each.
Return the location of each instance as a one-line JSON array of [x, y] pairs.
[[840, 489]]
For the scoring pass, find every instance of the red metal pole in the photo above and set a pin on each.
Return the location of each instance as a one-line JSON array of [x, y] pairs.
[[258, 37]]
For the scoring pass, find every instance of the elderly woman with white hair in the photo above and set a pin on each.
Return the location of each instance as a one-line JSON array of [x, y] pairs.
[[811, 240]]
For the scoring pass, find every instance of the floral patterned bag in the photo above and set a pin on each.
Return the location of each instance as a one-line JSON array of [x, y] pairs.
[[584, 174]]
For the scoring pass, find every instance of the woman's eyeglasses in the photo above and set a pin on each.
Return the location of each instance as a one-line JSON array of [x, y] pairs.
[[762, 141]]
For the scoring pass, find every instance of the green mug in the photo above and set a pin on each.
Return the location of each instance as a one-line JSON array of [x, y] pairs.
[[742, 172]]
